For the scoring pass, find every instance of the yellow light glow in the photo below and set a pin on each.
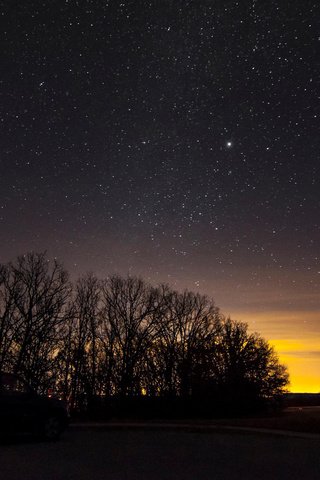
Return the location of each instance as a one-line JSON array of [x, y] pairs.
[[296, 339]]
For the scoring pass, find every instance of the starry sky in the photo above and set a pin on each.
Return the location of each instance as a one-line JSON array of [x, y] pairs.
[[176, 140]]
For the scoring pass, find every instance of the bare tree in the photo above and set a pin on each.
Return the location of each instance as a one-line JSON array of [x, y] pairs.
[[123, 337], [188, 321], [84, 339], [33, 296], [245, 367], [7, 288], [129, 318]]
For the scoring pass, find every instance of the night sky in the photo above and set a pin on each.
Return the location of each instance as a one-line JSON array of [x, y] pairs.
[[176, 140]]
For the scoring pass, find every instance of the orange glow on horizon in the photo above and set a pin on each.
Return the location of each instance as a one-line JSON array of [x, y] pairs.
[[302, 366], [295, 337]]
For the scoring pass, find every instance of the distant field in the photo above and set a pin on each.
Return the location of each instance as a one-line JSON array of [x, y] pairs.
[[302, 414], [298, 419], [302, 399]]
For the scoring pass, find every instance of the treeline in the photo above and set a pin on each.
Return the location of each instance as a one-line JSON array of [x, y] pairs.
[[123, 338]]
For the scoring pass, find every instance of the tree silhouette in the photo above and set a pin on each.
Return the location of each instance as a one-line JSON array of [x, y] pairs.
[[129, 318], [123, 338], [33, 296]]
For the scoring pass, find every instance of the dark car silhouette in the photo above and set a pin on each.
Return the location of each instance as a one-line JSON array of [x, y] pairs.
[[24, 411]]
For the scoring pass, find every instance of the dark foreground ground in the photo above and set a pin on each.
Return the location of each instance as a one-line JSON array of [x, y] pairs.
[[160, 453]]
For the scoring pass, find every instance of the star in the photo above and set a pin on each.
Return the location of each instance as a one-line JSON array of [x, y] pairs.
[[141, 150]]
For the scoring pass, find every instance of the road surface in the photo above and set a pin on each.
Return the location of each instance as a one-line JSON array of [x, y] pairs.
[[128, 454]]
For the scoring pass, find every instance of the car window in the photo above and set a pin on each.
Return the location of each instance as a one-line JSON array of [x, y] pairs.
[[12, 384]]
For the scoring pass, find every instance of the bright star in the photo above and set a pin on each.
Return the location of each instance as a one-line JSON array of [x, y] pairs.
[[229, 144]]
